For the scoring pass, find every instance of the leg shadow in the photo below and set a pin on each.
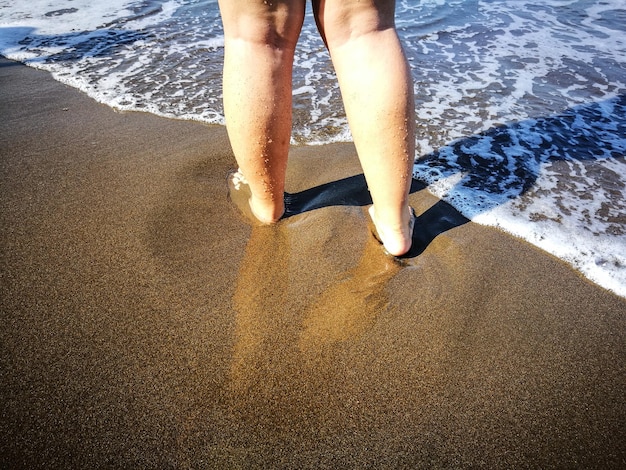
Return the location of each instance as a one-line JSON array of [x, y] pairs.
[[352, 191], [436, 220]]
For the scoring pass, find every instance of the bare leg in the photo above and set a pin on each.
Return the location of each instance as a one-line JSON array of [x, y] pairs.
[[377, 92], [260, 39]]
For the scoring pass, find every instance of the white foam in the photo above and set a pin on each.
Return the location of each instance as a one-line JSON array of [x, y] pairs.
[[47, 17]]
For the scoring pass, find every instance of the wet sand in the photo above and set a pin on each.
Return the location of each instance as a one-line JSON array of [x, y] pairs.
[[146, 325]]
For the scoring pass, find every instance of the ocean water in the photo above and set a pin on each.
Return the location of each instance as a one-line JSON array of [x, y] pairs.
[[521, 106]]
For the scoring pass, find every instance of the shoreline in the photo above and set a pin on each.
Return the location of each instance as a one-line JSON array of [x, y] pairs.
[[146, 325], [588, 256]]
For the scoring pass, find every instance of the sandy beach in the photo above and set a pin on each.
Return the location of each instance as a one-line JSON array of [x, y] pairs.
[[146, 325]]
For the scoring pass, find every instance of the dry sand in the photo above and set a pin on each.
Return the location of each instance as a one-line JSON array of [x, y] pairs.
[[145, 325]]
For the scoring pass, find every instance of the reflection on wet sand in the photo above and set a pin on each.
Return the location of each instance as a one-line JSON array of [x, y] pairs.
[[260, 301], [282, 336], [350, 307]]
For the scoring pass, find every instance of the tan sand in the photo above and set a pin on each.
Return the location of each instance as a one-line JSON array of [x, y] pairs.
[[145, 325]]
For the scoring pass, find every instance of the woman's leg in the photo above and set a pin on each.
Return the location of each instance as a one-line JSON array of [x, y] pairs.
[[377, 92], [260, 39]]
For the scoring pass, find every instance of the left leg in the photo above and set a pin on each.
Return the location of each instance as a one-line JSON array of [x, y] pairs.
[[260, 40]]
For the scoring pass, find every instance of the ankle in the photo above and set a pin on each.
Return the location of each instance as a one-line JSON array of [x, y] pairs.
[[396, 233], [267, 212]]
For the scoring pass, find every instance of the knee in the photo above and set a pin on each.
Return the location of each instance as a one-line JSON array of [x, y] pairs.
[[340, 21], [276, 24]]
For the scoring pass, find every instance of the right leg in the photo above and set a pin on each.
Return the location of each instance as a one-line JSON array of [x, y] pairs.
[[377, 91], [260, 40]]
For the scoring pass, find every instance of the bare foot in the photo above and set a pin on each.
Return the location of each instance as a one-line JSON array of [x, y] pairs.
[[241, 196], [396, 240]]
